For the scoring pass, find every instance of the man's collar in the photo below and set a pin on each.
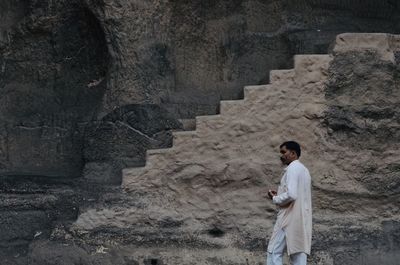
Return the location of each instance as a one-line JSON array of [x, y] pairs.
[[291, 163]]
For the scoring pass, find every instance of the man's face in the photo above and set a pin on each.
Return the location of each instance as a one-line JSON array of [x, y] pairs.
[[287, 156]]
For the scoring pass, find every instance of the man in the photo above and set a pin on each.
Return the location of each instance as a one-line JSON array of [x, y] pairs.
[[292, 230]]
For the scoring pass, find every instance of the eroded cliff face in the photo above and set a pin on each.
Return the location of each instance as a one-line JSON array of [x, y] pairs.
[[207, 192], [198, 52], [54, 63], [67, 64], [203, 201], [89, 86]]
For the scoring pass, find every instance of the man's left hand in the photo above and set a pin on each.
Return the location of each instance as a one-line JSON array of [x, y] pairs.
[[271, 194]]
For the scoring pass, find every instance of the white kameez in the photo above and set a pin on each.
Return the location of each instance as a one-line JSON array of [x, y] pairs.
[[295, 213]]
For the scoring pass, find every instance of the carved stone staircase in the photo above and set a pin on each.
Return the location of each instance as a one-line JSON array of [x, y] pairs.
[[287, 89], [208, 190], [290, 107]]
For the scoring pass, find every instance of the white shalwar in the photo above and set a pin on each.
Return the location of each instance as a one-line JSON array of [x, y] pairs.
[[293, 225]]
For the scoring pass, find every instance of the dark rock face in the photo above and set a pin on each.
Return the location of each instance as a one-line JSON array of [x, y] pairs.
[[88, 86], [364, 112], [54, 65], [121, 139], [65, 63], [30, 208], [198, 52], [363, 118], [353, 245]]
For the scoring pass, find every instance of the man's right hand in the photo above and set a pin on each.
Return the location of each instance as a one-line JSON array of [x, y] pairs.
[[271, 194]]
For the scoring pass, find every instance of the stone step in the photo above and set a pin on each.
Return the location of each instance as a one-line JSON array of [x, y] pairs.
[[188, 124], [207, 124], [281, 77], [230, 107], [303, 61], [184, 137], [152, 152], [311, 68], [153, 156], [308, 68], [252, 93], [130, 176], [384, 44]]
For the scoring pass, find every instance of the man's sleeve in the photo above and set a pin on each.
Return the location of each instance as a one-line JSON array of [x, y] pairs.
[[292, 176]]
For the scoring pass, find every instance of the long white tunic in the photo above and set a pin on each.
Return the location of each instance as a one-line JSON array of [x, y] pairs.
[[295, 213]]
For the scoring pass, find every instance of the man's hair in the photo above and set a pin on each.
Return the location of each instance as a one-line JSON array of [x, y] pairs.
[[293, 146]]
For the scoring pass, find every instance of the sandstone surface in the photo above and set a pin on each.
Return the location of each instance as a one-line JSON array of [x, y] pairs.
[[67, 64], [208, 190], [88, 86]]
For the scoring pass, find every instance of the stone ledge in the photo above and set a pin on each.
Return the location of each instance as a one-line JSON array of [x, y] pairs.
[[384, 44]]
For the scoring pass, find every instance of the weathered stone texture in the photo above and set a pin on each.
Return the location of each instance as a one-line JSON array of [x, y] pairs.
[[208, 191], [88, 86], [53, 68], [69, 62]]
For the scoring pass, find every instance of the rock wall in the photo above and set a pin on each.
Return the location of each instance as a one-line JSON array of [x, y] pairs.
[[198, 52], [53, 68], [67, 64], [89, 86], [208, 192]]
